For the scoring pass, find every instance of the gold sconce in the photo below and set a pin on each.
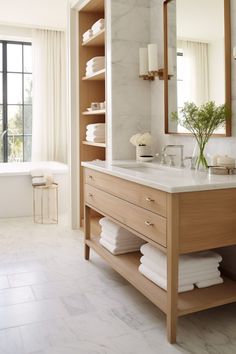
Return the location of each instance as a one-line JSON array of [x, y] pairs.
[[148, 64]]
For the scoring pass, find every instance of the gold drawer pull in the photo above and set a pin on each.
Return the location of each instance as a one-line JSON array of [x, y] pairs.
[[90, 177], [90, 195], [148, 223], [148, 199]]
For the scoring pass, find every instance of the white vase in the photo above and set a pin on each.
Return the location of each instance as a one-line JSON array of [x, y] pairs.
[[142, 150]]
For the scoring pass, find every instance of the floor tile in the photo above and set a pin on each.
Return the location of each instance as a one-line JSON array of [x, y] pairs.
[[16, 296], [24, 279], [4, 284]]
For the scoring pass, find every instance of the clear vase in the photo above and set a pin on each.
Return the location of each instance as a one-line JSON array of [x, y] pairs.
[[199, 157]]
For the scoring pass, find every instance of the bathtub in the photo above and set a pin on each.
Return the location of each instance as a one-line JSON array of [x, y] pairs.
[[16, 196]]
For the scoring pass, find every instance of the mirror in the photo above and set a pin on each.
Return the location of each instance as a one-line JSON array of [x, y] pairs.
[[197, 57]]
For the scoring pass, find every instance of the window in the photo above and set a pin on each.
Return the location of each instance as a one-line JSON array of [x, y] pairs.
[[15, 101]]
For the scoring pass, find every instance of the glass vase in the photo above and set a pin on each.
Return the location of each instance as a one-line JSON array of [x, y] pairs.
[[200, 157]]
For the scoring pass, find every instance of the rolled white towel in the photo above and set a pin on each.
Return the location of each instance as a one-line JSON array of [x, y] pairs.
[[160, 281], [122, 241], [209, 282], [87, 35], [117, 250], [205, 258], [96, 60], [183, 273], [95, 140]]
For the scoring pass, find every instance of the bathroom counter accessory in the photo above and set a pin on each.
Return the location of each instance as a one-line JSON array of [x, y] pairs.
[[176, 223]]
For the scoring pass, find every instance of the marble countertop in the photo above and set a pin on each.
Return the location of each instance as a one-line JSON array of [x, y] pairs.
[[168, 179]]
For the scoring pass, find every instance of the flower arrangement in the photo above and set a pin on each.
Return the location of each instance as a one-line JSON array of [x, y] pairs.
[[141, 139], [202, 122]]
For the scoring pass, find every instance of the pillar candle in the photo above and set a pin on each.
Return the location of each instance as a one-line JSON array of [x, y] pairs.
[[152, 57], [143, 61]]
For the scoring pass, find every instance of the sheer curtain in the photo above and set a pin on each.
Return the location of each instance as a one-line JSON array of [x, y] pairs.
[[195, 73], [49, 137]]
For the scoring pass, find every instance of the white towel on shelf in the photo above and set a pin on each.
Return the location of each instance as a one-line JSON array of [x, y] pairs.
[[205, 258], [117, 250], [96, 126], [95, 135], [209, 282], [160, 281], [96, 132], [95, 140], [95, 67], [96, 60], [115, 230], [122, 242], [102, 128], [184, 273], [98, 24], [87, 35]]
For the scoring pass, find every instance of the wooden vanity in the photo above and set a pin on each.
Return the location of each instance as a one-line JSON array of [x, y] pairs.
[[176, 223]]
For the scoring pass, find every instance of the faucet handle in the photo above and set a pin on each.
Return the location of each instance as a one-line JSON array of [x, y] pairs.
[[192, 160]]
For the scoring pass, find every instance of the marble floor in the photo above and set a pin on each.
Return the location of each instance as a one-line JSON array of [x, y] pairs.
[[54, 302]]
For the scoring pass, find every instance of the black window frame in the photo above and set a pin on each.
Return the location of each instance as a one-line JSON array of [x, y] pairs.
[[5, 103]]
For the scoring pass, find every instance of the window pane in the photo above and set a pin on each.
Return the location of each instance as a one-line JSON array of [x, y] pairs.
[[15, 120], [14, 57], [28, 88], [0, 56], [27, 58], [1, 140], [1, 96], [15, 149], [28, 119], [27, 148], [14, 88]]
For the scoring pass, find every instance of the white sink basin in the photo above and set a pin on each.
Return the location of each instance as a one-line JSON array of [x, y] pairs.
[[140, 167]]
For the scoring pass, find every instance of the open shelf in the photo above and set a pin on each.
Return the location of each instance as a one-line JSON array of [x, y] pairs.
[[103, 145], [97, 40], [94, 113], [188, 302], [99, 75], [92, 6]]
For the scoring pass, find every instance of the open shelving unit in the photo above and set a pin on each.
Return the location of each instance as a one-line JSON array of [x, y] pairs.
[[91, 88]]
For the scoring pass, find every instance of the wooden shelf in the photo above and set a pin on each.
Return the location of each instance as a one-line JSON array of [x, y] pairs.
[[103, 145], [99, 75], [92, 6], [188, 302], [97, 40], [94, 113]]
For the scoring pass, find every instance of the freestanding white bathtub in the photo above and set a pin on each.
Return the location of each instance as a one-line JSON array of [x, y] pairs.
[[16, 197]]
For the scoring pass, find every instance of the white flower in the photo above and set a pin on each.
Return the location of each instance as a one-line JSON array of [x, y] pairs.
[[141, 139]]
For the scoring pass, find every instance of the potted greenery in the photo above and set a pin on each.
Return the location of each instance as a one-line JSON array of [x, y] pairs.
[[202, 122]]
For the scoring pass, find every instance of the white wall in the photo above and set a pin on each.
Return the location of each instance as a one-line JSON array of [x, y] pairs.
[[51, 14]]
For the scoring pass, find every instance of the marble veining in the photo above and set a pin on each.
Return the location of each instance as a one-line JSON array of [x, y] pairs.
[[86, 307]]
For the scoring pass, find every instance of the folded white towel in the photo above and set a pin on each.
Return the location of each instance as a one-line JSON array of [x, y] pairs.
[[162, 282], [38, 181], [96, 132], [94, 136], [96, 60], [117, 250], [95, 66], [95, 140], [93, 72], [205, 258], [101, 128], [98, 23], [193, 272], [96, 125], [117, 232], [124, 241], [209, 282], [98, 29], [87, 35]]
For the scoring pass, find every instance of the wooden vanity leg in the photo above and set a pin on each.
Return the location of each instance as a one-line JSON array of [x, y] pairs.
[[172, 265], [86, 231]]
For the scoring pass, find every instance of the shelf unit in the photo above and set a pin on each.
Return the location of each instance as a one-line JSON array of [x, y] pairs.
[[91, 88]]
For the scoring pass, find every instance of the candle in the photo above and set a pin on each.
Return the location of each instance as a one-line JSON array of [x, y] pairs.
[[143, 61], [152, 57]]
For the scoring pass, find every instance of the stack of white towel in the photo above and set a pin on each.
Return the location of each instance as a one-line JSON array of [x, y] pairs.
[[95, 64], [200, 268], [118, 240], [98, 26], [41, 177], [96, 133]]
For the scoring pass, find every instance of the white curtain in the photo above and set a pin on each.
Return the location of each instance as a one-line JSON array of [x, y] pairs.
[[195, 73], [49, 137]]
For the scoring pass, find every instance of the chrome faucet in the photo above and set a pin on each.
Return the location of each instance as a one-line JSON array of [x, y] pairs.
[[163, 155]]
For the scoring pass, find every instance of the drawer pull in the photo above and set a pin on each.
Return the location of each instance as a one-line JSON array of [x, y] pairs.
[[91, 178], [90, 195], [148, 223], [148, 199]]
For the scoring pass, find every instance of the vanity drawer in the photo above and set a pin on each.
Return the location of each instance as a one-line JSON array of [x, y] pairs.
[[143, 221], [145, 197]]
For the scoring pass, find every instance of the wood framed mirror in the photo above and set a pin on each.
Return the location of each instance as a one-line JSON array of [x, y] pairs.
[[197, 57]]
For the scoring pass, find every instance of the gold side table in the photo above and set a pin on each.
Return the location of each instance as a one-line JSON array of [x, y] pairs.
[[45, 204]]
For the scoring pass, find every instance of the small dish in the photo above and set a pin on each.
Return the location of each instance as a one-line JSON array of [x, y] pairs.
[[146, 158]]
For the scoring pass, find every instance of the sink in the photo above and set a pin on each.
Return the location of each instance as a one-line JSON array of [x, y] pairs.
[[140, 167]]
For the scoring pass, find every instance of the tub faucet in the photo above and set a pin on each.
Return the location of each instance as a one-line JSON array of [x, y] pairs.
[[3, 133], [163, 155]]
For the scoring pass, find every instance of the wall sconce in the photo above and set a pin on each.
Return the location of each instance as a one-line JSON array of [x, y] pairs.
[[234, 53], [148, 64]]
